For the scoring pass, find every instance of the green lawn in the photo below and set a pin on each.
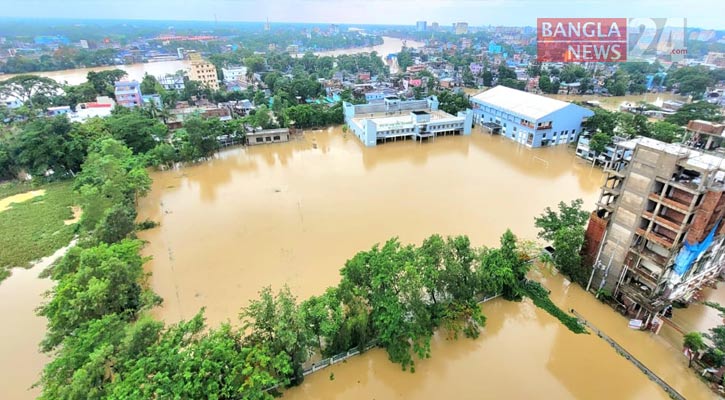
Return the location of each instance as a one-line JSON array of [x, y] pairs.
[[34, 228]]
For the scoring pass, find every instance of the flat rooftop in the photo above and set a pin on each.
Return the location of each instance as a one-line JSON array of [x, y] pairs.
[[404, 117], [696, 159]]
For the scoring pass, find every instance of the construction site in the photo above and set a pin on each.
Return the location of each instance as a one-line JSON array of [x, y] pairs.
[[656, 235]]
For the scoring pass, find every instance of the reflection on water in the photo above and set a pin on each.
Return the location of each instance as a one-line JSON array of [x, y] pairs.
[[293, 213]]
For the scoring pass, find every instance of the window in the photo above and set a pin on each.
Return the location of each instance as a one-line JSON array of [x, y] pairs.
[[276, 138], [268, 139], [259, 140]]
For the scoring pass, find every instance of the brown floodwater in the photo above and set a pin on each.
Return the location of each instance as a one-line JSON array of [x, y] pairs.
[[20, 359], [293, 213]]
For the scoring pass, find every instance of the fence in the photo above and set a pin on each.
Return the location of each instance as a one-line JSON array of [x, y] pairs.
[[624, 353]]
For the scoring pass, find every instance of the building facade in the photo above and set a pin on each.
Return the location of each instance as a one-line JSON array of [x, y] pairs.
[[529, 119], [396, 119], [656, 235], [128, 94], [172, 82], [204, 72], [267, 136], [421, 26], [234, 74]]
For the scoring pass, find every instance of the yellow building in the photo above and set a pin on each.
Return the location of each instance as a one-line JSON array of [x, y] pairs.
[[203, 71]]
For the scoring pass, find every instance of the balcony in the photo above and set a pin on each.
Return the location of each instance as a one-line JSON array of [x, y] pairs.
[[671, 203], [657, 238], [664, 222]]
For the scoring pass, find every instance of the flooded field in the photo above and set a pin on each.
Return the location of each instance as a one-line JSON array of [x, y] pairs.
[[293, 213]]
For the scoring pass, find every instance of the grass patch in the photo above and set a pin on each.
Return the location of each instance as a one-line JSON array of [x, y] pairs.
[[540, 296], [13, 188], [34, 228]]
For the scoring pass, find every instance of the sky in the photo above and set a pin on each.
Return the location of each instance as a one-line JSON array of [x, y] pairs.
[[706, 14]]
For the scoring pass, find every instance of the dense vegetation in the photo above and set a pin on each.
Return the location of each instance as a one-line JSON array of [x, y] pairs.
[[35, 228], [565, 231]]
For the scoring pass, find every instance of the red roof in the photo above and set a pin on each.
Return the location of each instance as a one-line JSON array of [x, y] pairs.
[[98, 105]]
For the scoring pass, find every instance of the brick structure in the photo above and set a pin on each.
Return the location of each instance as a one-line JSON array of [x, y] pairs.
[[658, 205]]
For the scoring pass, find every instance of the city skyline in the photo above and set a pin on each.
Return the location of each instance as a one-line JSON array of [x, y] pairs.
[[376, 12]]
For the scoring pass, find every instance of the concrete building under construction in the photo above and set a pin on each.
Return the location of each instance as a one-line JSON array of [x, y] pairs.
[[656, 235]]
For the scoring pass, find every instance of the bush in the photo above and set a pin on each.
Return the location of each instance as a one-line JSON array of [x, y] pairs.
[[540, 296]]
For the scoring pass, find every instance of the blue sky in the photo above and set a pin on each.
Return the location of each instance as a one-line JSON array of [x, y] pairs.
[[703, 13]]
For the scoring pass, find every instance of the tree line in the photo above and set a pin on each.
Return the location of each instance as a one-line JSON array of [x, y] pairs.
[[604, 125]]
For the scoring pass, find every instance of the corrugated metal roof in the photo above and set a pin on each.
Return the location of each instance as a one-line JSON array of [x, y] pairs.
[[521, 103]]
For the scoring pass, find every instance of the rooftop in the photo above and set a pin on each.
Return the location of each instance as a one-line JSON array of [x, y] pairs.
[[696, 159], [519, 102]]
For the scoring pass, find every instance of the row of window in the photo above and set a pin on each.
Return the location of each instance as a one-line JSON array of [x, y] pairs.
[[267, 139]]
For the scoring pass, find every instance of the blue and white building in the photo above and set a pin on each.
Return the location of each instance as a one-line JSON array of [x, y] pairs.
[[529, 119], [396, 119]]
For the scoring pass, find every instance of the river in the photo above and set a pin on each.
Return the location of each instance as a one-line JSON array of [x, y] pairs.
[[137, 71], [293, 213]]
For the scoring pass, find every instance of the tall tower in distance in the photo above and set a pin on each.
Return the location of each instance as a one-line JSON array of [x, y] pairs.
[[266, 25]]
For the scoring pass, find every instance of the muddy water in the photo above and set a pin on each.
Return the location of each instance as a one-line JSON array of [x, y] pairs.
[[293, 213], [7, 202], [135, 71], [522, 353], [20, 360]]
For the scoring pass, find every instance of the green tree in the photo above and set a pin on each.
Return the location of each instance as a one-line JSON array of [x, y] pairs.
[[104, 280], [568, 242], [666, 132], [545, 83], [103, 81], [138, 131], [695, 343], [701, 110], [569, 215], [598, 144], [276, 320], [149, 84], [27, 87]]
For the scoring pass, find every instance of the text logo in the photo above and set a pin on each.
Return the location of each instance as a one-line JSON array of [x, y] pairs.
[[611, 39], [582, 39]]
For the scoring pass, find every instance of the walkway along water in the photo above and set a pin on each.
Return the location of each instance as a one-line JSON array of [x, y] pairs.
[[621, 350]]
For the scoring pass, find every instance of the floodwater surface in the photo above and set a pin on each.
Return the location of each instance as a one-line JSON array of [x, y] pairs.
[[7, 202], [293, 213]]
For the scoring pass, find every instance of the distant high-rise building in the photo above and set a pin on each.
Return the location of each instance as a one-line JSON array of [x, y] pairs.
[[204, 72], [421, 26], [84, 44], [434, 26], [266, 25], [461, 28]]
